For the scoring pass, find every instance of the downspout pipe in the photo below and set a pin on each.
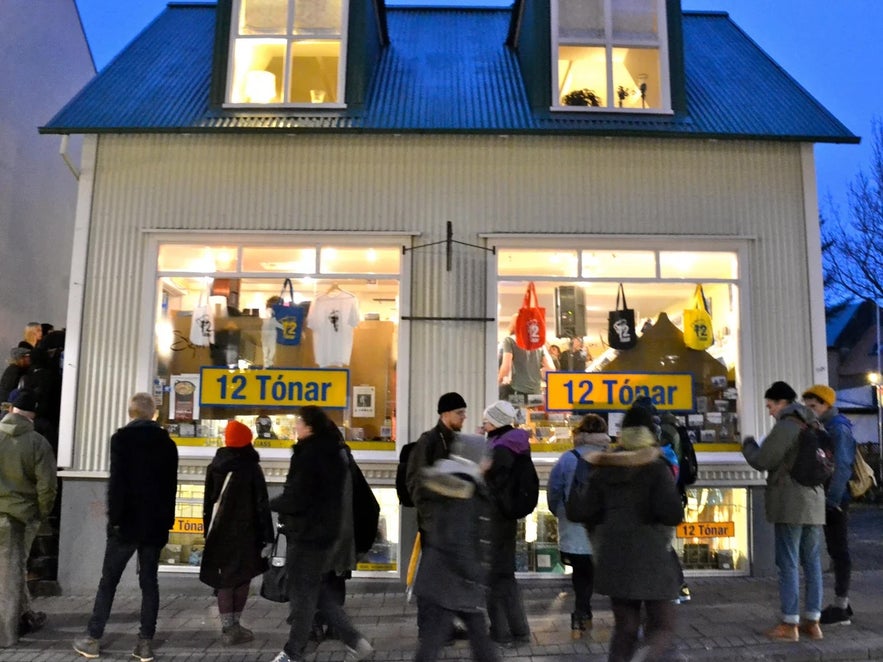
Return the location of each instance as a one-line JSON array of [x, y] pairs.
[[63, 150]]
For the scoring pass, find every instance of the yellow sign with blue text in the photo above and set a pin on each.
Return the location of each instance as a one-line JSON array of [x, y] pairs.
[[274, 387], [610, 391]]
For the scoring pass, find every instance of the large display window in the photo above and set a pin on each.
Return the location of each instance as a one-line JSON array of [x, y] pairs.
[[251, 332]]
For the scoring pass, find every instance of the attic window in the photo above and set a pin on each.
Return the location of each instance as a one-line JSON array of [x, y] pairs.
[[611, 55], [287, 52]]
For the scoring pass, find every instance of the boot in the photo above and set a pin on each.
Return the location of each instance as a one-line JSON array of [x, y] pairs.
[[577, 625]]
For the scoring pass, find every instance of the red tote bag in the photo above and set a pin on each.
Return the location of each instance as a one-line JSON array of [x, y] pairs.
[[530, 325]]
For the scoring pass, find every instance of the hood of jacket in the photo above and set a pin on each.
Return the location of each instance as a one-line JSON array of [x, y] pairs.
[[453, 477], [596, 441], [15, 425], [625, 459], [797, 410], [515, 439], [638, 437], [229, 459]]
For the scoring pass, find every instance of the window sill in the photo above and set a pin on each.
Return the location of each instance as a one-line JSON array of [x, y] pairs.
[[280, 107], [610, 111]]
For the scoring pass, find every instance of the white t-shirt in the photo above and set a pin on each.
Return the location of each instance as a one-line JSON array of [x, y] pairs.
[[332, 318]]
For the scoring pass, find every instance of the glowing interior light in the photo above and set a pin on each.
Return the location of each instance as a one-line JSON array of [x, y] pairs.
[[260, 86]]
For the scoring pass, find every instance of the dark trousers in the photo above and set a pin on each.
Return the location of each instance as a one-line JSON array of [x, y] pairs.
[[583, 581], [837, 542], [658, 632], [505, 609], [437, 629], [116, 557]]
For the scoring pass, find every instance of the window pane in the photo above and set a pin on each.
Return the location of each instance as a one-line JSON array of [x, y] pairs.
[[359, 260], [263, 16], [695, 265], [581, 19], [582, 76], [318, 17], [636, 77], [619, 264], [518, 262], [314, 71], [191, 258], [258, 71], [281, 259], [635, 20]]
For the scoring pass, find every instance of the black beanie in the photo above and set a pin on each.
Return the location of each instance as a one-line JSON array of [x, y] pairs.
[[638, 417], [780, 391], [450, 402]]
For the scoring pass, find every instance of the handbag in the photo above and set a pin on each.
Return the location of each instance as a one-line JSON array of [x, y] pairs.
[[274, 583], [202, 323], [289, 316], [621, 333], [530, 324], [698, 332], [862, 476]]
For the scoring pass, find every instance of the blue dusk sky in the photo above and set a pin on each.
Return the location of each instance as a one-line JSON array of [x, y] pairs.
[[831, 48]]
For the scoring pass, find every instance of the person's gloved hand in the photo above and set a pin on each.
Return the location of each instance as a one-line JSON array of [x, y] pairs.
[[748, 439]]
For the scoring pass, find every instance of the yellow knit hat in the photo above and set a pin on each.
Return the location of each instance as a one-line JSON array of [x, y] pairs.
[[822, 392]]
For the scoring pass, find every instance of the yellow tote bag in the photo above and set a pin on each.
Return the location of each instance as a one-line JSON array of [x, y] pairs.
[[698, 332]]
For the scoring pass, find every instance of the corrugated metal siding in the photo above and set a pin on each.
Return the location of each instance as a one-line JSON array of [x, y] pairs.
[[418, 183]]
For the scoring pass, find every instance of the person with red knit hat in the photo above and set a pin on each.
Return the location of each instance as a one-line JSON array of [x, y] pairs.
[[238, 525]]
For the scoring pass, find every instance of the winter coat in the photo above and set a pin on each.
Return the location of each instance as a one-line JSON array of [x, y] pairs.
[[433, 445], [342, 555], [143, 483], [454, 565], [242, 525], [572, 536], [787, 501], [27, 471], [633, 505], [310, 504], [840, 430], [505, 443]]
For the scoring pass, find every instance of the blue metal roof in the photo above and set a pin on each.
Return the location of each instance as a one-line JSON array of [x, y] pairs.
[[445, 70]]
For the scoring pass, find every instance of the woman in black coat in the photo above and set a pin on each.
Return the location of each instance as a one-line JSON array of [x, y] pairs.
[[237, 525]]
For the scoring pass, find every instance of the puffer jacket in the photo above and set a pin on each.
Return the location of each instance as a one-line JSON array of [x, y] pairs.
[[787, 501], [453, 570], [27, 471], [633, 504]]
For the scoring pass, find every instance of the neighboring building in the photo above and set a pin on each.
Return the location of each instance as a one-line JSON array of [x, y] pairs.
[[47, 60], [412, 170]]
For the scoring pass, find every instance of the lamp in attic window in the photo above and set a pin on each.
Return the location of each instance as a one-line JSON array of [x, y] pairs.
[[260, 86]]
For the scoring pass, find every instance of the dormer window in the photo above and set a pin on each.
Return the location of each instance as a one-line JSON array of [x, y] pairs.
[[611, 55], [287, 52]]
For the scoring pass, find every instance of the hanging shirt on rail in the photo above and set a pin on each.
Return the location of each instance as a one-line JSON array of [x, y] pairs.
[[332, 318]]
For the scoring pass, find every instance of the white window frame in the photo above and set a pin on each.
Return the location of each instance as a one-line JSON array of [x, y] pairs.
[[609, 44], [289, 40]]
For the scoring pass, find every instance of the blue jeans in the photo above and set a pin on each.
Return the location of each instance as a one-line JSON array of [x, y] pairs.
[[799, 545], [116, 557]]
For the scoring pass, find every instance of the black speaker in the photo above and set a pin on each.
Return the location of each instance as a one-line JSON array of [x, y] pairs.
[[570, 311]]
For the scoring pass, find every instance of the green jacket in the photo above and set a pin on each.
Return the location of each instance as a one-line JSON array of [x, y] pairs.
[[787, 501], [27, 471]]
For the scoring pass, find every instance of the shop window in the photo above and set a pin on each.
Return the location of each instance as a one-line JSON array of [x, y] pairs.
[[287, 52], [714, 533], [610, 54], [276, 345], [618, 264], [525, 261]]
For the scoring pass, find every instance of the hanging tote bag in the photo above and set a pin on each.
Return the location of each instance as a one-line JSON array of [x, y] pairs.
[[862, 476], [530, 324], [621, 333], [202, 323], [274, 584], [698, 332], [289, 316], [216, 508]]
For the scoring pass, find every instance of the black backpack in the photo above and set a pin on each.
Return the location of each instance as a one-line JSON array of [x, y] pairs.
[[687, 458], [402, 475], [813, 463], [366, 510], [522, 489]]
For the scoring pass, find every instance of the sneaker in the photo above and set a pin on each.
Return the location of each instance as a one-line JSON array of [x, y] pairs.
[[143, 650], [684, 594], [282, 656], [832, 615], [811, 629], [362, 651], [784, 632], [236, 634], [87, 647]]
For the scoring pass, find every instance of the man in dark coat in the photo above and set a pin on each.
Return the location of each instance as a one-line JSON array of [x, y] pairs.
[[140, 511]]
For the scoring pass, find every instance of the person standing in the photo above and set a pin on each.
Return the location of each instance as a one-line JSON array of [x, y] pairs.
[[453, 571], [575, 358], [632, 506], [140, 512], [796, 511], [573, 539], [32, 335], [316, 511], [28, 487], [505, 604], [238, 524], [521, 371], [820, 398], [19, 364]]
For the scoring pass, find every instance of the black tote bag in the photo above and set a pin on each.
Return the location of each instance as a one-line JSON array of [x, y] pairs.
[[621, 332], [274, 585]]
